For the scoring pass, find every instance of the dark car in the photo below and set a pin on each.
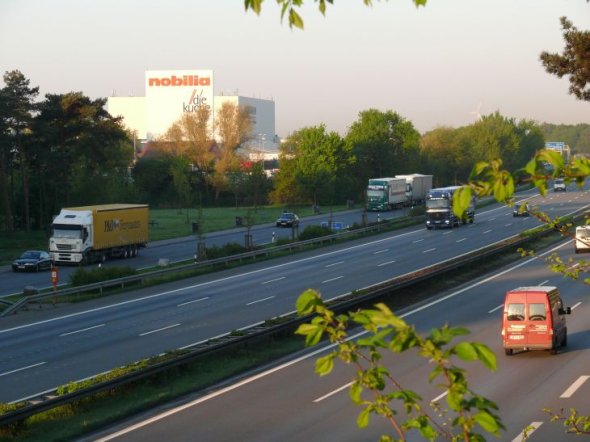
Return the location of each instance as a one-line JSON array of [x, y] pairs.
[[288, 219], [32, 260], [520, 210]]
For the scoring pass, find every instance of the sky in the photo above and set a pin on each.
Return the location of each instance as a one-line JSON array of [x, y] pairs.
[[439, 65]]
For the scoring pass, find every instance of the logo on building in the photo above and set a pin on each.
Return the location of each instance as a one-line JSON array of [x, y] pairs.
[[185, 80], [195, 102]]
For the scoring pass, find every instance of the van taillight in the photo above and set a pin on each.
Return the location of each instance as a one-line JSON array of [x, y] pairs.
[[503, 331]]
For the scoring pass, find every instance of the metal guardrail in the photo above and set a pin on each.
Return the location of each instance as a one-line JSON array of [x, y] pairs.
[[129, 280], [344, 302]]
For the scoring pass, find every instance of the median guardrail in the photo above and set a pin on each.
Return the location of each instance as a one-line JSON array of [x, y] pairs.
[[288, 321]]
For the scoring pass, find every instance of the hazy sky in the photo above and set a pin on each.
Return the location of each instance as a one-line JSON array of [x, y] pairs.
[[437, 65]]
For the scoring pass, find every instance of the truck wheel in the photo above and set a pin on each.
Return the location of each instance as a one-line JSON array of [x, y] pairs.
[[125, 253]]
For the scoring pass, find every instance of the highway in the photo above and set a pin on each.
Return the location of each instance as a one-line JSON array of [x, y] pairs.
[[291, 403], [182, 249], [41, 350]]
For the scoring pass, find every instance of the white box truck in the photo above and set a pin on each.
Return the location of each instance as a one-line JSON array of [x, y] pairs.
[[417, 187], [81, 235]]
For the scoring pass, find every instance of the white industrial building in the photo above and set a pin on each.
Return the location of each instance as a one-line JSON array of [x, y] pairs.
[[171, 93]]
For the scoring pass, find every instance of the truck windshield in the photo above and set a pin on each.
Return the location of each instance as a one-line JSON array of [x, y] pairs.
[[438, 204], [70, 232], [375, 193]]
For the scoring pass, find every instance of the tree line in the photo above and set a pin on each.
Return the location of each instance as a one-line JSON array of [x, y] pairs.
[[66, 150]]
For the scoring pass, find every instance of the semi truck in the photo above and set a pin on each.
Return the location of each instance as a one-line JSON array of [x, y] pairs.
[[386, 193], [82, 235], [439, 209], [417, 187]]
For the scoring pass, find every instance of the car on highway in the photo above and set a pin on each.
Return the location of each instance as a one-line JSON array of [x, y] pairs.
[[520, 210], [559, 185], [288, 219], [32, 260]]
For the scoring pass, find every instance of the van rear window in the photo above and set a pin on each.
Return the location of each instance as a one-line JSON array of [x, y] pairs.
[[515, 312], [537, 312]]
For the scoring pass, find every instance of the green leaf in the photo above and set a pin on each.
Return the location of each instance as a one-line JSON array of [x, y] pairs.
[[486, 356], [363, 418], [355, 392], [295, 19], [461, 201], [307, 302], [466, 351], [312, 332], [325, 364], [488, 422]]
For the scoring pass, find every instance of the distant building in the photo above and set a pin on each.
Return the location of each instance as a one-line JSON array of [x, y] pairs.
[[171, 93]]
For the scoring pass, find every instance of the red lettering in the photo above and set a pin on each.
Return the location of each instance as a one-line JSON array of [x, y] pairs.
[[186, 80]]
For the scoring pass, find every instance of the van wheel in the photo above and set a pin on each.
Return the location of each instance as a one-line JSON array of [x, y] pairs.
[[554, 347], [564, 341], [508, 351]]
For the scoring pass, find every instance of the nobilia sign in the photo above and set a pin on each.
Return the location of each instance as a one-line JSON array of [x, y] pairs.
[[170, 94]]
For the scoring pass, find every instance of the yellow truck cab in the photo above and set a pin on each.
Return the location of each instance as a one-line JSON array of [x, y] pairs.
[[534, 319]]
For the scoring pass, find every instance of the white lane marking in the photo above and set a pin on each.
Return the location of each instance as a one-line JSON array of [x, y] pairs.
[[439, 397], [332, 279], [574, 387], [159, 330], [487, 231], [385, 263], [335, 264], [446, 233], [273, 280], [507, 225], [496, 308], [429, 250], [576, 305], [304, 357], [193, 301], [380, 251], [82, 330], [22, 368], [460, 240], [506, 214], [332, 393], [260, 300], [203, 284], [544, 282], [492, 219], [417, 241], [532, 427]]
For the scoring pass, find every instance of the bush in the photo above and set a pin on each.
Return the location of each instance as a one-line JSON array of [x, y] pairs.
[[311, 232], [97, 274], [228, 249]]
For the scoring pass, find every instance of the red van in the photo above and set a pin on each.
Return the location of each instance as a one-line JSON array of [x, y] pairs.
[[534, 319]]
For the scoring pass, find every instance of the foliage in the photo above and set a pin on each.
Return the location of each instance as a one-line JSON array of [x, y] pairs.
[[576, 136], [377, 390], [290, 8], [97, 274], [384, 144], [314, 231], [227, 249], [309, 164], [573, 62]]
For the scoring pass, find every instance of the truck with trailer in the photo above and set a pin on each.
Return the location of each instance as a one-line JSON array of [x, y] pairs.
[[417, 187], [82, 235], [386, 193], [439, 209]]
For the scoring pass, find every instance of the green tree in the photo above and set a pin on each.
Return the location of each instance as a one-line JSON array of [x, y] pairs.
[[18, 98], [573, 62], [318, 157], [84, 149], [384, 144]]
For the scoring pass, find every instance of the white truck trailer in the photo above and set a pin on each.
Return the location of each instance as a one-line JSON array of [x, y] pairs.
[[417, 187], [81, 235]]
